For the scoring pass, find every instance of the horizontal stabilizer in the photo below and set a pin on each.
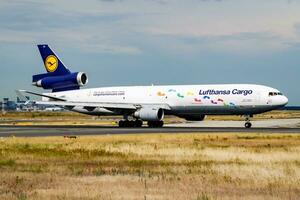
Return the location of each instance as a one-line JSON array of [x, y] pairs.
[[43, 95]]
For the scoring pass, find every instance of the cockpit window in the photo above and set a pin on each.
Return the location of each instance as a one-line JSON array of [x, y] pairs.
[[275, 93]]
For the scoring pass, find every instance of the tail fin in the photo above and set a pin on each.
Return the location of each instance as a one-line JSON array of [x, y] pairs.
[[51, 61], [58, 77]]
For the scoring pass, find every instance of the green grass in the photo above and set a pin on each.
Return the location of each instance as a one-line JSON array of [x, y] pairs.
[[8, 163]]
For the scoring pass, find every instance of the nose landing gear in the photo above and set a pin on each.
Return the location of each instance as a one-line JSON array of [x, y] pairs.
[[248, 124]]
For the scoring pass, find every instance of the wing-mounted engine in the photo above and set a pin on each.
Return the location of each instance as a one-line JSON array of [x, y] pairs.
[[58, 83], [149, 114]]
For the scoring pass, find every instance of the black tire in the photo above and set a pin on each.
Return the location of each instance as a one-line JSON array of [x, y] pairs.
[[160, 123], [121, 123], [127, 123], [155, 124], [138, 123], [150, 124], [131, 124], [248, 125]]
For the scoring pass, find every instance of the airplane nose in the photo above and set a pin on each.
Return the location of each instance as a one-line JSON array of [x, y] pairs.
[[280, 101], [285, 100]]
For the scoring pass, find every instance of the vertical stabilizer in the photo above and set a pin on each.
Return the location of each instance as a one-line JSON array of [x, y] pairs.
[[51, 61]]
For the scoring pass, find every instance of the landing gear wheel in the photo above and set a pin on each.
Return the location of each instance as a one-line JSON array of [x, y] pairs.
[[123, 123], [160, 124], [127, 123], [248, 125], [138, 123], [155, 124]]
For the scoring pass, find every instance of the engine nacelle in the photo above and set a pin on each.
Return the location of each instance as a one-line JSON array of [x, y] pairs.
[[192, 117], [149, 114], [57, 83]]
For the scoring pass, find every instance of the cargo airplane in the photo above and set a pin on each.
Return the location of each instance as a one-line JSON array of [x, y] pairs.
[[150, 103]]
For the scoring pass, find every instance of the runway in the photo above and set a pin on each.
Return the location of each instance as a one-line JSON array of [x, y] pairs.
[[42, 131]]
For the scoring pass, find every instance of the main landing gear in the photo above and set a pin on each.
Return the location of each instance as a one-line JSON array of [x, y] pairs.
[[155, 124], [248, 124], [139, 123], [128, 123]]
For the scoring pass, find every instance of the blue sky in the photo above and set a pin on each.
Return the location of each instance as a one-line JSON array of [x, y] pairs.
[[140, 42]]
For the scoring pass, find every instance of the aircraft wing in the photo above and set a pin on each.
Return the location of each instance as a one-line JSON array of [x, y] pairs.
[[108, 105], [57, 101], [87, 104]]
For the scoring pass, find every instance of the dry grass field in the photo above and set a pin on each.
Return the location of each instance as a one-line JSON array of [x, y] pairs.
[[156, 166], [72, 118]]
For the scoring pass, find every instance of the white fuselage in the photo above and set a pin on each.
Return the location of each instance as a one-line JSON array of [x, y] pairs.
[[231, 99]]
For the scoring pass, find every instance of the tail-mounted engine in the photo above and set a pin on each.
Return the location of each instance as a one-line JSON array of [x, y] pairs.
[[58, 83]]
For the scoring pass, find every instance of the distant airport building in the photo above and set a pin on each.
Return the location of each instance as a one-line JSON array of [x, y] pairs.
[[21, 105], [8, 105]]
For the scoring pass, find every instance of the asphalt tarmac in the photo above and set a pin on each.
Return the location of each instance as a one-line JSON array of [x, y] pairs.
[[42, 131]]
